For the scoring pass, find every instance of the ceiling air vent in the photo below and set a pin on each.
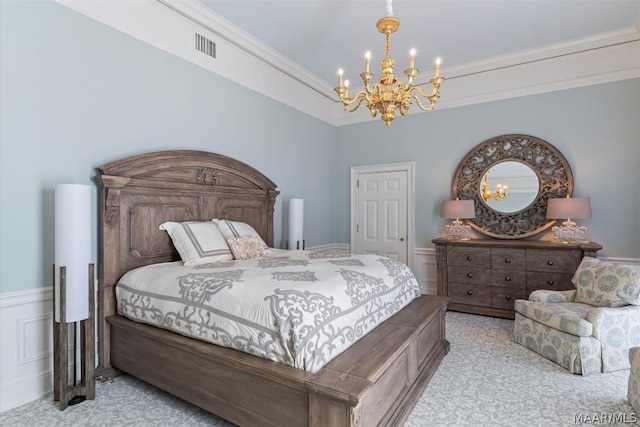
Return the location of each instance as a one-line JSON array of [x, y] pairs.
[[205, 45]]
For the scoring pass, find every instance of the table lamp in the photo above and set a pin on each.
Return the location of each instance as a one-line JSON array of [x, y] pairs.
[[569, 207], [458, 209]]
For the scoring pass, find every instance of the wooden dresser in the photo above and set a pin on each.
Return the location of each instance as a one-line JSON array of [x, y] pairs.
[[486, 276]]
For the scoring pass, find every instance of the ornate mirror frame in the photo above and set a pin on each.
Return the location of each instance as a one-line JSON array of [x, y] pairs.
[[554, 177]]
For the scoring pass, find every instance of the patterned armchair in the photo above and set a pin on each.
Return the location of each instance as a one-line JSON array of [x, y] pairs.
[[588, 329], [634, 378]]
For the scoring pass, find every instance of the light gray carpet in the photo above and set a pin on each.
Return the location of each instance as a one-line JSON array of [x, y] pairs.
[[485, 380]]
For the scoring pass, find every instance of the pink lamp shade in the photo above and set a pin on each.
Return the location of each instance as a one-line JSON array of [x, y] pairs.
[[458, 209], [569, 207]]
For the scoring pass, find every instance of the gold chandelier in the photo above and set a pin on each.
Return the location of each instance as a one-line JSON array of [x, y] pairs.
[[388, 95]]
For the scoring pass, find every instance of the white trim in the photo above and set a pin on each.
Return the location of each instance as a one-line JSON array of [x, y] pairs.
[[30, 296], [240, 57], [169, 25], [425, 270], [409, 168]]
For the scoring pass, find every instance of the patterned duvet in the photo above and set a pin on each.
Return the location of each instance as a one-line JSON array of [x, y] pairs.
[[299, 308]]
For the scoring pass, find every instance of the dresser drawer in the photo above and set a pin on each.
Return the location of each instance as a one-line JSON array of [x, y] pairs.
[[469, 256], [508, 259], [505, 297], [552, 281], [553, 260], [469, 275], [509, 278], [470, 294]]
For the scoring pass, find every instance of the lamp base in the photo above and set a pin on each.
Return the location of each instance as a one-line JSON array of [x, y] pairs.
[[569, 232], [75, 393], [458, 231]]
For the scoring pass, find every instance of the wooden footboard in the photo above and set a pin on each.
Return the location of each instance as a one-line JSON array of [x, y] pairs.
[[375, 382]]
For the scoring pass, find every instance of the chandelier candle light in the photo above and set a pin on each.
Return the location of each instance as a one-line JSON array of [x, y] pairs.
[[389, 95]]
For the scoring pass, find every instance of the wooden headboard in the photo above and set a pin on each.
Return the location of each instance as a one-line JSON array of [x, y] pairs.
[[139, 193]]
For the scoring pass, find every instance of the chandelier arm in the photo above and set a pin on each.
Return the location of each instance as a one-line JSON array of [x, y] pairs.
[[434, 91], [359, 97], [432, 97], [422, 107]]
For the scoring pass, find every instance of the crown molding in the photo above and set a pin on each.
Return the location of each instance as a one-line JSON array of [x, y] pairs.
[[170, 26]]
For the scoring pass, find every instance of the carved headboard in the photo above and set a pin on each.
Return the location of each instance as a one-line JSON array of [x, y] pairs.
[[139, 193]]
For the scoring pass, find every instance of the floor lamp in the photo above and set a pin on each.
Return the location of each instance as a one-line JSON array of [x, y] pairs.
[[73, 278], [296, 224]]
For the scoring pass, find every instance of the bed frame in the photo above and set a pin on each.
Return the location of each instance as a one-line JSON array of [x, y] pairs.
[[375, 382]]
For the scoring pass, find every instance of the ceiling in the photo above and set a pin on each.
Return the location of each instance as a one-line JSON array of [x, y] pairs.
[[323, 36]]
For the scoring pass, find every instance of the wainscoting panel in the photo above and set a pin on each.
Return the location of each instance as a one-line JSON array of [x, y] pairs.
[[26, 353], [424, 265]]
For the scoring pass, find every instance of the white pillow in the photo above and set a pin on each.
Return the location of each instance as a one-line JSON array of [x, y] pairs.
[[198, 242], [231, 229]]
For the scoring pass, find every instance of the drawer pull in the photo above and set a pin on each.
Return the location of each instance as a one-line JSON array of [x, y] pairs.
[[469, 292], [469, 275], [549, 262], [507, 260], [469, 258], [550, 282], [507, 279], [508, 297]]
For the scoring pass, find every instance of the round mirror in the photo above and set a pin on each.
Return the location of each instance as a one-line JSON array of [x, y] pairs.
[[549, 176], [509, 187]]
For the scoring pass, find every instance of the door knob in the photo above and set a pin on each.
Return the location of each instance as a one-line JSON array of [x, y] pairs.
[[402, 239]]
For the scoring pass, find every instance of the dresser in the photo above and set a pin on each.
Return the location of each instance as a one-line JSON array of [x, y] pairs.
[[486, 276]]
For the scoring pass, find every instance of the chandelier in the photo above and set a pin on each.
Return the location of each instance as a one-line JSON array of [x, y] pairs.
[[487, 194], [388, 95]]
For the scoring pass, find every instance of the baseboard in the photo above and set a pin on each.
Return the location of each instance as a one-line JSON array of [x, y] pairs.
[[26, 353]]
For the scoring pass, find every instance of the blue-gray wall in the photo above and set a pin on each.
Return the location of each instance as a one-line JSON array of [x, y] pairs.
[[597, 128], [76, 94]]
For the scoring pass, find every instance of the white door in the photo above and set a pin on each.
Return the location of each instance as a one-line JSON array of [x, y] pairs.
[[381, 218]]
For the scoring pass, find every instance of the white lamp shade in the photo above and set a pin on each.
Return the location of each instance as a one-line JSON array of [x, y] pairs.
[[296, 223], [73, 249], [569, 208], [458, 209]]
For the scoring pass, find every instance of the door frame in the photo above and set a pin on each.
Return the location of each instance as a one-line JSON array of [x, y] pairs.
[[409, 168]]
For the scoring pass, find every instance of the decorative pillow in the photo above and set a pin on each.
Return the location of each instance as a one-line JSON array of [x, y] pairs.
[[605, 284], [237, 229], [198, 242], [246, 247]]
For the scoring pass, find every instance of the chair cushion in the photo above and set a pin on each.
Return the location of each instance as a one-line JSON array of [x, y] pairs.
[[605, 284], [567, 317]]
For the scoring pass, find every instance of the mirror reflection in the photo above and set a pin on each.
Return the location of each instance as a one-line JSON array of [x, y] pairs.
[[509, 186]]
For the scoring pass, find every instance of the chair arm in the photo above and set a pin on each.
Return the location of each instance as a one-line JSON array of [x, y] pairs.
[[543, 295], [604, 319]]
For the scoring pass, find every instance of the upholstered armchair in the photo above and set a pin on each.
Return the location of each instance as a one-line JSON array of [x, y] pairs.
[[634, 378], [588, 329]]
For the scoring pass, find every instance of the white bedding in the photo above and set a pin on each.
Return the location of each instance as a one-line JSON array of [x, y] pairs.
[[299, 308]]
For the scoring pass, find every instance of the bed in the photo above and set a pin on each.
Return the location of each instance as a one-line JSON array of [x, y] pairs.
[[375, 381]]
